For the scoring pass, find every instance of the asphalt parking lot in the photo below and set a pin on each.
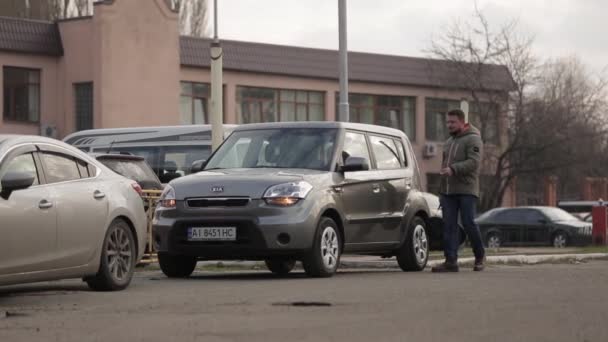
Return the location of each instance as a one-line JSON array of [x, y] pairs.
[[506, 303]]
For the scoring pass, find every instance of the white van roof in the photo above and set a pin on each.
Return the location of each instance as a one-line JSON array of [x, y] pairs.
[[135, 135]]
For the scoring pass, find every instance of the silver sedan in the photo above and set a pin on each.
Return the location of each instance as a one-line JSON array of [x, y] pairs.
[[65, 215]]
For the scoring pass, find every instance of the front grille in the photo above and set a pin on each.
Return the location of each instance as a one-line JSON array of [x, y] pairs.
[[218, 202]]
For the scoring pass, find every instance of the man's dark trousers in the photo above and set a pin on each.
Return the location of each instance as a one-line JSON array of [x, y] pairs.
[[465, 204]]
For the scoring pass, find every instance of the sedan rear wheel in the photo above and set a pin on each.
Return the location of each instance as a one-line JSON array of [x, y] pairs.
[[117, 259], [493, 241], [560, 240]]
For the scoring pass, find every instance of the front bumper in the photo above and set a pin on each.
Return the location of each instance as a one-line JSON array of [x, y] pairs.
[[258, 228]]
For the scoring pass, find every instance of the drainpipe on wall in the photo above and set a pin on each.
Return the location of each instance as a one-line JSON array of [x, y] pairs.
[[464, 106]]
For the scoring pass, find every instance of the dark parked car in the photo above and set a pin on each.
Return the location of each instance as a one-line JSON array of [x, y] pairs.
[[132, 167], [533, 226], [306, 191]]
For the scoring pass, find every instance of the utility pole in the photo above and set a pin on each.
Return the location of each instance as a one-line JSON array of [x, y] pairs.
[[217, 118], [464, 106], [344, 115]]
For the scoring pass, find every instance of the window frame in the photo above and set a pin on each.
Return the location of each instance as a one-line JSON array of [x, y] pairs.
[[78, 123], [278, 101], [376, 109], [11, 116], [371, 159], [193, 97]]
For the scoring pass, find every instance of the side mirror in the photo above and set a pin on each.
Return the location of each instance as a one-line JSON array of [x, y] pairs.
[[13, 181], [198, 166], [353, 164], [542, 221]]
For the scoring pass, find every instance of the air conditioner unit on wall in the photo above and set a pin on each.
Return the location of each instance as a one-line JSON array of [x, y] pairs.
[[49, 131], [430, 150]]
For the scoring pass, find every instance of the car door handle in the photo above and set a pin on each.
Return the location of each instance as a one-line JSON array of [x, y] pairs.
[[44, 204], [98, 194], [376, 188]]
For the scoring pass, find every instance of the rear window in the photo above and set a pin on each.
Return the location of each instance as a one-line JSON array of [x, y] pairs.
[[136, 170]]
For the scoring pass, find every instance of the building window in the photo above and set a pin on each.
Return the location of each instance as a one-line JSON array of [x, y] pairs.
[[270, 105], [392, 111], [21, 94], [193, 105], [83, 102], [436, 111]]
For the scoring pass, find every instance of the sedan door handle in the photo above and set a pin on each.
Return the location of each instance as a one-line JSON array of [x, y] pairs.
[[44, 204], [98, 194], [376, 188]]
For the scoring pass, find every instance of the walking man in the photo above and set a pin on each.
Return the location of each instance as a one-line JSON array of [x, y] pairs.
[[462, 154]]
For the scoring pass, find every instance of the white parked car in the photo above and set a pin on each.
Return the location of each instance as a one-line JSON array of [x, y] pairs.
[[63, 215]]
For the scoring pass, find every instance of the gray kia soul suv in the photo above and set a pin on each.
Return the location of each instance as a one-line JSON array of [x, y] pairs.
[[309, 191]]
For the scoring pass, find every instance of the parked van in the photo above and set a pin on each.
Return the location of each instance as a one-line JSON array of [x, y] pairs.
[[170, 150]]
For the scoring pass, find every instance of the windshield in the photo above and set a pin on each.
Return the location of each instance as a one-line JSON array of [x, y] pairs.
[[556, 214], [297, 148]]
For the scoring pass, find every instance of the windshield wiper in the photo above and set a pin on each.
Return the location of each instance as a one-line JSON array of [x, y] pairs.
[[390, 149]]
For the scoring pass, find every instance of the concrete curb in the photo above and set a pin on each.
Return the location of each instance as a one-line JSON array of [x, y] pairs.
[[491, 260]]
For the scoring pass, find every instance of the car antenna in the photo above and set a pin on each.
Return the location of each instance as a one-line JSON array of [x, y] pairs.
[[110, 148]]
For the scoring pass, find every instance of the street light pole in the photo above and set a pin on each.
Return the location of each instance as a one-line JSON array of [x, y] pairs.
[[464, 106], [217, 131], [344, 111]]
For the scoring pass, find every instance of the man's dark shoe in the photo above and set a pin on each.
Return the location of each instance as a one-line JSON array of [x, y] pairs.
[[445, 267], [479, 265]]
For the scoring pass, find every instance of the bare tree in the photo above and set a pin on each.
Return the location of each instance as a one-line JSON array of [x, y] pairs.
[[540, 112]]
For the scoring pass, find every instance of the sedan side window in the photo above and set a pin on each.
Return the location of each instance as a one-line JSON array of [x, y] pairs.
[[355, 146], [59, 168], [533, 217], [385, 153], [23, 163]]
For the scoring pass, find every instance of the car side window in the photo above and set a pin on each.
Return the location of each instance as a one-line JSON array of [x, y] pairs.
[[533, 217], [401, 151], [59, 168], [23, 163], [385, 153], [355, 145], [509, 216]]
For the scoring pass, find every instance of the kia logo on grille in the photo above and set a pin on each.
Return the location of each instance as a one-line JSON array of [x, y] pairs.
[[217, 189]]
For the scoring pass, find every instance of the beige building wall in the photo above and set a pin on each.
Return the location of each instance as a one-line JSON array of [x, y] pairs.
[[136, 63], [75, 66]]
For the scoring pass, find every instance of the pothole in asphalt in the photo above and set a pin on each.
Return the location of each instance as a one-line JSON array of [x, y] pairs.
[[304, 304]]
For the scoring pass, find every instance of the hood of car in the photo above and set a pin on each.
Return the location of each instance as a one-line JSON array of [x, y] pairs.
[[251, 183]]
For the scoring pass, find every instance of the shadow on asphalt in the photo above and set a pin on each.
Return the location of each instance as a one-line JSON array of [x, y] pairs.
[[42, 290], [267, 276]]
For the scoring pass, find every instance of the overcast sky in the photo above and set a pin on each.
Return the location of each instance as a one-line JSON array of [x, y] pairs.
[[405, 27]]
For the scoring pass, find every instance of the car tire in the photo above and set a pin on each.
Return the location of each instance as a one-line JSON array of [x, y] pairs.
[[494, 241], [324, 257], [280, 266], [176, 266], [559, 240], [118, 258], [413, 254]]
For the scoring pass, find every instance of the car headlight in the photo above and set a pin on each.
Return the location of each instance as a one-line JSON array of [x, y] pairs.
[[287, 194], [167, 198]]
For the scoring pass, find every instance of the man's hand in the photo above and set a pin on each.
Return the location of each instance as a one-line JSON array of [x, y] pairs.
[[446, 172]]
